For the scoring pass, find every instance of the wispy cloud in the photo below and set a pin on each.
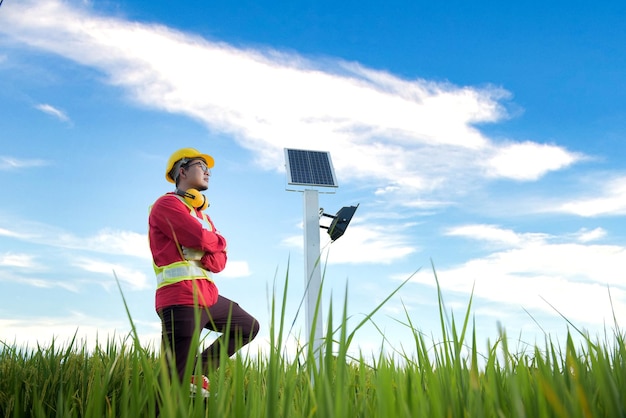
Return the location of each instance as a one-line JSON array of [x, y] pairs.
[[87, 330], [17, 260], [235, 269], [114, 242], [106, 241], [585, 235], [15, 234], [493, 234], [36, 281], [608, 198], [12, 163], [572, 276], [136, 279], [121, 244], [53, 111], [413, 135], [371, 244]]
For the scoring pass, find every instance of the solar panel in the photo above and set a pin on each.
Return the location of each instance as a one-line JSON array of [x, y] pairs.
[[310, 168]]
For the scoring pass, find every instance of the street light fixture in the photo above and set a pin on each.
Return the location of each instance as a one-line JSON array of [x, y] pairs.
[[312, 170], [340, 221]]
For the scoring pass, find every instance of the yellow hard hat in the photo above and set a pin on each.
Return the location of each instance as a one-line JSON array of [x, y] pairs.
[[188, 153]]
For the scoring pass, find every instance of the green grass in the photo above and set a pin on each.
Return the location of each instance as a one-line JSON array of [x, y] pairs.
[[451, 378]]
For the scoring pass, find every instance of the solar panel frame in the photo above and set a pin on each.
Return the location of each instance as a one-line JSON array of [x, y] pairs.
[[309, 168]]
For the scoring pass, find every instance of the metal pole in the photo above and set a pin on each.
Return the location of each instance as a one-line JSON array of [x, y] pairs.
[[313, 278]]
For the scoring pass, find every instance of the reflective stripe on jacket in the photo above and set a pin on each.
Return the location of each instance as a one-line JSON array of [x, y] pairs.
[[179, 271]]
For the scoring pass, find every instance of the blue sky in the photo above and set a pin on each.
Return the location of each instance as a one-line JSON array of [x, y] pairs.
[[484, 138]]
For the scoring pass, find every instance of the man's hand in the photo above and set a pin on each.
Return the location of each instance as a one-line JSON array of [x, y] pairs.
[[192, 253]]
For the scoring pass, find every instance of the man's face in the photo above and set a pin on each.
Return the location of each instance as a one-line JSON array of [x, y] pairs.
[[197, 174]]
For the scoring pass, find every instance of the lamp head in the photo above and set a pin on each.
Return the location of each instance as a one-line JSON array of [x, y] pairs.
[[340, 223]]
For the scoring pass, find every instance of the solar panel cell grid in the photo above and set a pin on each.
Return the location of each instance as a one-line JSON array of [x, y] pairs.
[[311, 168]]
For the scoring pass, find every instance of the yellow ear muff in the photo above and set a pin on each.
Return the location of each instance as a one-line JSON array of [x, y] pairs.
[[194, 198]]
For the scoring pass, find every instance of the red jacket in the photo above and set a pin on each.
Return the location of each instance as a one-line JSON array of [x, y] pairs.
[[170, 221]]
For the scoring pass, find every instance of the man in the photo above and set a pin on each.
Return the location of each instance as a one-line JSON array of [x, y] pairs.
[[186, 250]]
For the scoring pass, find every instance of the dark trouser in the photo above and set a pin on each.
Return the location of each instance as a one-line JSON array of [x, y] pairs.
[[237, 326]]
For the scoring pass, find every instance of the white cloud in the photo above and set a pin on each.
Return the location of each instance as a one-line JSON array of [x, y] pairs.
[[39, 282], [51, 110], [135, 278], [371, 244], [415, 135], [89, 331], [17, 260], [107, 241], [116, 242], [585, 235], [575, 278], [235, 269], [13, 234], [11, 163], [529, 160], [609, 199], [494, 234]]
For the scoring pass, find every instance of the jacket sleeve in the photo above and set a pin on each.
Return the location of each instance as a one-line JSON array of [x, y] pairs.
[[173, 219], [214, 262]]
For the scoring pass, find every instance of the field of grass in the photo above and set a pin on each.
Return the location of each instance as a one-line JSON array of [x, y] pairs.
[[450, 379]]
